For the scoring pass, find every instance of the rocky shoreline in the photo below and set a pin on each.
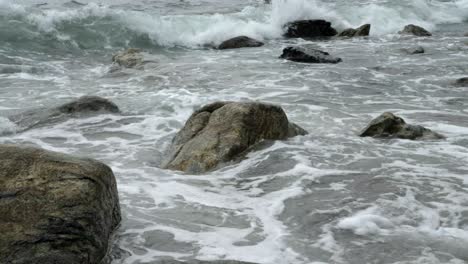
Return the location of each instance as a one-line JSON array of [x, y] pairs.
[[59, 208]]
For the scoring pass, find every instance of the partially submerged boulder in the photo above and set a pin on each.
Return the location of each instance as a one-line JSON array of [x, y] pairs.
[[84, 106], [309, 29], [308, 55], [55, 208], [415, 30], [389, 125], [462, 82], [128, 58], [361, 31], [223, 131], [415, 50], [240, 42]]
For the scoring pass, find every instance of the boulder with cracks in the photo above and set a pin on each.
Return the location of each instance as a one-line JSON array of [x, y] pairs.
[[55, 208], [223, 131]]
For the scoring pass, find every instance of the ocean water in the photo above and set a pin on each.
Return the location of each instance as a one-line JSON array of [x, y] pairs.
[[328, 197]]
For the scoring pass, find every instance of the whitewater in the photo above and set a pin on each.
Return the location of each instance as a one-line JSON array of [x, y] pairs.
[[327, 197]]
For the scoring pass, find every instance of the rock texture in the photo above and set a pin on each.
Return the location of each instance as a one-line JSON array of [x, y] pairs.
[[54, 208], [462, 82], [240, 42], [361, 31], [309, 29], [129, 58], [308, 55], [223, 131], [416, 50], [389, 125], [415, 30], [84, 106]]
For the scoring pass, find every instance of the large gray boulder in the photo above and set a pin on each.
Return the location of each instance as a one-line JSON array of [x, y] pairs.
[[415, 30], [240, 42], [82, 107], [390, 125], [223, 131], [308, 55], [55, 208], [361, 31], [309, 29]]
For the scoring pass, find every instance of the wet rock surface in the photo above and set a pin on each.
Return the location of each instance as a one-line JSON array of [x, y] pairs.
[[240, 42], [361, 31], [309, 29], [223, 131], [462, 82], [308, 55], [415, 30], [55, 208], [415, 50], [390, 125], [128, 58], [83, 106]]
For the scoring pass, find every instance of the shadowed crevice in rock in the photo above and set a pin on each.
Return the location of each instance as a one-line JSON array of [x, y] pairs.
[[83, 107], [55, 208], [223, 131], [389, 125]]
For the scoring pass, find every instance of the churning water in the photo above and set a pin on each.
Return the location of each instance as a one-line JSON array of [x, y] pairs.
[[328, 197]]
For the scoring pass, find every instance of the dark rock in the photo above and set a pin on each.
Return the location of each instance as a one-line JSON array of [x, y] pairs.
[[240, 42], [300, 54], [466, 35], [223, 131], [361, 31], [55, 208], [84, 106], [416, 50], [309, 29], [389, 125], [462, 82], [128, 58], [415, 30]]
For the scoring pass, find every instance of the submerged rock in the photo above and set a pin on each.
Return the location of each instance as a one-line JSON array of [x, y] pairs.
[[462, 82], [55, 208], [128, 58], [301, 54], [240, 42], [416, 50], [415, 30], [223, 131], [389, 125], [361, 31], [84, 106], [309, 29]]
